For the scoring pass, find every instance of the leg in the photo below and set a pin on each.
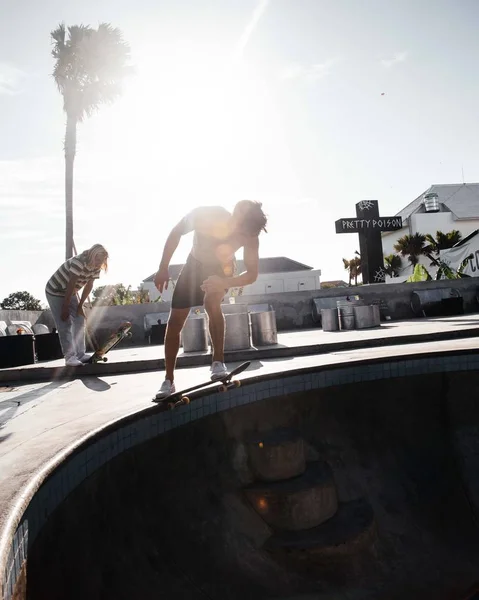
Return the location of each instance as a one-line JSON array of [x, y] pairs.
[[176, 321], [78, 328], [216, 324], [64, 328]]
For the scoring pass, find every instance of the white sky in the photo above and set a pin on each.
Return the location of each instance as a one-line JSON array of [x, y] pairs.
[[277, 101]]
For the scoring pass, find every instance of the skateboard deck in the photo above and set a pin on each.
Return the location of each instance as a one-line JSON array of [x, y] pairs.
[[219, 385], [115, 338]]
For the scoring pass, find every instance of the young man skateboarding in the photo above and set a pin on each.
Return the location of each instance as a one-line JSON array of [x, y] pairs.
[[208, 274]]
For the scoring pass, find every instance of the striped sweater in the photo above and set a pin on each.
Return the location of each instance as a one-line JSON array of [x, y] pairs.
[[57, 284]]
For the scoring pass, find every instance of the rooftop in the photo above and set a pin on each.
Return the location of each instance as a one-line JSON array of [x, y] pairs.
[[462, 199], [273, 264]]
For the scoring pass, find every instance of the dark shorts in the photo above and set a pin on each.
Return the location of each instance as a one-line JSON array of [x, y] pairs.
[[188, 292]]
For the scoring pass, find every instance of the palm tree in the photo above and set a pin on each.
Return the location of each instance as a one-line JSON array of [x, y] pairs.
[[392, 265], [411, 246], [353, 267], [90, 65], [442, 241]]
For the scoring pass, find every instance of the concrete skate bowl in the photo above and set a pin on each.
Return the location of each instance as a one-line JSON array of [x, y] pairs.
[[294, 487]]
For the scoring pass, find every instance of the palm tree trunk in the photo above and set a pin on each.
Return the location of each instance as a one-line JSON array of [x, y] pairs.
[[70, 151]]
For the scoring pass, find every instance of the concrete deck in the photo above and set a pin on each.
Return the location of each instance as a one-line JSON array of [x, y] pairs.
[[294, 343]]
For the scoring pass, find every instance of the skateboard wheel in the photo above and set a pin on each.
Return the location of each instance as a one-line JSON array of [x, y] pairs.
[[129, 334], [185, 400], [222, 388], [104, 359], [237, 383]]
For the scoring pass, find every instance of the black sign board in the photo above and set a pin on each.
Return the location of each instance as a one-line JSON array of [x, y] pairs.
[[368, 225], [379, 224]]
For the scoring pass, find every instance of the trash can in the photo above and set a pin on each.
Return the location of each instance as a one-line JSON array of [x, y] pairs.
[[17, 350], [263, 328], [346, 314], [367, 316], [194, 336], [237, 332], [329, 319], [48, 347]]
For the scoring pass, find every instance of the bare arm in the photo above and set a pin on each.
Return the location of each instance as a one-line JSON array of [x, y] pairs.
[[171, 245], [70, 290], [162, 276], [251, 262], [86, 291]]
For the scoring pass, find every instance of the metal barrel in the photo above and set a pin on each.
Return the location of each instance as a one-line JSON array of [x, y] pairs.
[[346, 314], [194, 335], [367, 316], [263, 328], [237, 332], [329, 319]]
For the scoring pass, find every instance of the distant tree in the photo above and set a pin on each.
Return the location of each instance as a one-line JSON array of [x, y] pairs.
[[442, 241], [412, 247], [90, 65], [392, 265], [118, 295], [21, 301], [353, 267]]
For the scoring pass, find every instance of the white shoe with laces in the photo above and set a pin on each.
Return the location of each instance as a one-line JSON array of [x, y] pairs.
[[167, 388], [73, 361], [218, 370], [85, 358]]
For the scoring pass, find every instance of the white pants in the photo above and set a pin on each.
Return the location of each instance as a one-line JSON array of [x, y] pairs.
[[72, 331]]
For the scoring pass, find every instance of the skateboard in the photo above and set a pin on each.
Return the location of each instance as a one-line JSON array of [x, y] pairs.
[[225, 383], [115, 338]]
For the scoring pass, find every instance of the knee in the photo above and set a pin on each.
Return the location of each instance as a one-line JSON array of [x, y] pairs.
[[213, 304], [176, 322]]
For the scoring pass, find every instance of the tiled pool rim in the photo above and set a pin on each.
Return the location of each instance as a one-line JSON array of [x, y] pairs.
[[64, 472]]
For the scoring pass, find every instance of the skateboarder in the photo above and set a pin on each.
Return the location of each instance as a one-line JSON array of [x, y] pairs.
[[208, 274], [61, 291]]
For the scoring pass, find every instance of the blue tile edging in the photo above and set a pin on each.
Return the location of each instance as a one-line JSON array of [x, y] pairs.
[[66, 471]]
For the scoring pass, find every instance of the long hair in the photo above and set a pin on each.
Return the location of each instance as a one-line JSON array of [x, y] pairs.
[[90, 255]]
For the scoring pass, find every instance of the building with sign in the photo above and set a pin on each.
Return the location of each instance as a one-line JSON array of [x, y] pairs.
[[443, 208], [276, 274]]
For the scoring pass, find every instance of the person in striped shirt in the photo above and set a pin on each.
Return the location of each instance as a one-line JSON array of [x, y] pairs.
[[61, 291]]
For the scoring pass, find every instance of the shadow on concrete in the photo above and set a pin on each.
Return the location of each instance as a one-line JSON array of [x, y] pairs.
[[96, 384], [20, 401]]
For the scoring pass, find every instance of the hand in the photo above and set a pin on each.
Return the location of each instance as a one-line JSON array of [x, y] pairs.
[[161, 279], [65, 312], [81, 312], [214, 284]]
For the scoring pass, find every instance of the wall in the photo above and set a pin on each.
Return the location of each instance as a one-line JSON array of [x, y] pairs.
[[20, 315], [293, 310]]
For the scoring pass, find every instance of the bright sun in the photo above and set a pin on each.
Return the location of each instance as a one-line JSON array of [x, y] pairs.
[[199, 118]]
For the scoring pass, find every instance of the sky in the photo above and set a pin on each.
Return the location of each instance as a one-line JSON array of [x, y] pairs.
[[308, 106]]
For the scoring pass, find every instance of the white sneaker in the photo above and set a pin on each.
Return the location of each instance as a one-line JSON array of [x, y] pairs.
[[167, 388], [85, 358], [218, 370], [73, 361]]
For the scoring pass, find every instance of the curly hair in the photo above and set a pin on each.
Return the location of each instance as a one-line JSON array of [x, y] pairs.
[[254, 219]]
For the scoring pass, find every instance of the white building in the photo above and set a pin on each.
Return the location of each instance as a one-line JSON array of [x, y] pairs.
[[276, 274], [440, 208]]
